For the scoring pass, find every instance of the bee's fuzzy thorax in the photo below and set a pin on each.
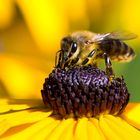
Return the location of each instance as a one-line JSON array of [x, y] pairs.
[[84, 91]]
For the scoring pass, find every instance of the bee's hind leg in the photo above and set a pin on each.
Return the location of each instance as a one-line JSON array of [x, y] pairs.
[[109, 70]]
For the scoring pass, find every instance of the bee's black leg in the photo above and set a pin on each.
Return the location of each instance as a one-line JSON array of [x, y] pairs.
[[109, 70], [58, 59], [74, 61], [85, 61], [90, 55]]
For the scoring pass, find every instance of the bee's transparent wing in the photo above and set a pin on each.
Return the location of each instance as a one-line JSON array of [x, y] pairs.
[[121, 35]]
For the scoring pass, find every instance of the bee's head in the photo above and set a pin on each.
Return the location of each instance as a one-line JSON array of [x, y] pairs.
[[68, 44], [80, 39], [68, 47]]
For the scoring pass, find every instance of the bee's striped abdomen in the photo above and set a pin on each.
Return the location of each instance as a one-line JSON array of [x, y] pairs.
[[117, 50]]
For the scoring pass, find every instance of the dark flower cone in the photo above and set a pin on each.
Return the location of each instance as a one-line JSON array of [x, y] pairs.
[[84, 91]]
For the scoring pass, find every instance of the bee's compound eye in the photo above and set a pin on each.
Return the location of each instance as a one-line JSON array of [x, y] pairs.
[[73, 47]]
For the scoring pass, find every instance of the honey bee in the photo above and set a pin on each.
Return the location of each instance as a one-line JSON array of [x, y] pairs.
[[86, 48]]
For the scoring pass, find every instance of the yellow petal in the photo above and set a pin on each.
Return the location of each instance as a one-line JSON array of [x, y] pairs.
[[81, 129], [96, 124], [60, 129], [20, 112], [127, 17], [93, 132], [131, 114], [18, 104], [121, 127], [6, 12], [18, 118], [6, 108], [45, 131], [47, 22], [80, 16], [24, 116], [69, 131], [20, 80], [30, 131], [9, 104], [3, 101], [108, 131]]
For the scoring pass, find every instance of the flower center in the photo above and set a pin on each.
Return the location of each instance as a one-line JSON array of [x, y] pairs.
[[84, 91]]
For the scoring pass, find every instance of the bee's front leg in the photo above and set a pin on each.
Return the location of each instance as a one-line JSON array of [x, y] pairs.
[[109, 70]]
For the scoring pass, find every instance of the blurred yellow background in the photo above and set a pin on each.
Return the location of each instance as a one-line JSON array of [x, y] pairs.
[[31, 30]]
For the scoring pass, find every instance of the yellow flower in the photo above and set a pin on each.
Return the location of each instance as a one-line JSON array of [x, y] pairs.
[[28, 119]]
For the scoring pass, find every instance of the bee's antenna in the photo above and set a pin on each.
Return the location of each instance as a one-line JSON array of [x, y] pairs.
[[57, 59]]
